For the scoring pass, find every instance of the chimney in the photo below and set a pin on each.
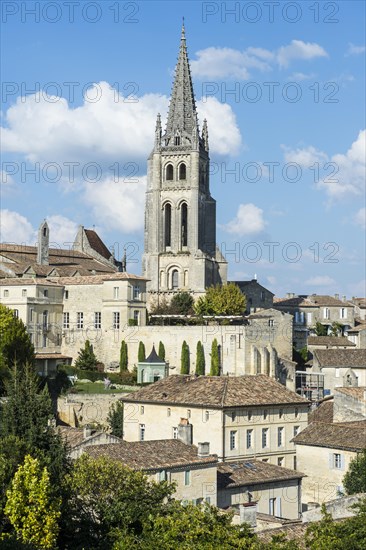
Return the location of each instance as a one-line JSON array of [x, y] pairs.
[[87, 431], [203, 449], [185, 431], [43, 244], [336, 296], [248, 513], [344, 298]]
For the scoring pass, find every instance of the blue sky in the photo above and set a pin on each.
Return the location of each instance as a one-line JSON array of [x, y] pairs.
[[282, 87]]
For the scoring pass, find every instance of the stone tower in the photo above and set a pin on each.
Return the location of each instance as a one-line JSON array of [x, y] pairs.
[[180, 251], [43, 244]]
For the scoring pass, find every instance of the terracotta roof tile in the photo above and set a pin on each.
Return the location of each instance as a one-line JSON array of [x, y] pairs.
[[341, 435], [251, 472], [341, 357], [358, 393], [217, 391], [323, 413], [151, 455], [340, 341], [97, 244]]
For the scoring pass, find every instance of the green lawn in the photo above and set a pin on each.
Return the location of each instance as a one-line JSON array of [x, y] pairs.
[[92, 387]]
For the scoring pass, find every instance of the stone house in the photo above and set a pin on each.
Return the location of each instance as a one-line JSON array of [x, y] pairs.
[[77, 439], [360, 308], [349, 404], [258, 297], [275, 490], [357, 335], [192, 468], [341, 367], [241, 417], [324, 452], [308, 309]]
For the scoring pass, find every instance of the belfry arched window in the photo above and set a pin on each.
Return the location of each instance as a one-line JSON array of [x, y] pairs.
[[175, 279], [182, 171], [184, 224], [167, 225], [169, 172]]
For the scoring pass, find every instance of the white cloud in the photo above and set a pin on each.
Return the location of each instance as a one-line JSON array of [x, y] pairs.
[[360, 218], [229, 63], [355, 50], [300, 77], [223, 130], [320, 280], [248, 221], [62, 230], [345, 171], [106, 131], [117, 204], [15, 228], [7, 183]]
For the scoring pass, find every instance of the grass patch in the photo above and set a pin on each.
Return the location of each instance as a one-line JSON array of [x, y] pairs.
[[92, 387]]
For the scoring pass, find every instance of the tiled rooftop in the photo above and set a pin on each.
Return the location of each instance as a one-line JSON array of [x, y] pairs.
[[151, 455], [349, 436], [358, 393], [311, 300], [217, 391], [251, 472], [340, 341], [323, 413], [341, 357]]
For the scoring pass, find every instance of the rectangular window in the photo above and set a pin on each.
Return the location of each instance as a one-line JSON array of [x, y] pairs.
[[116, 319], [187, 477], [97, 319], [45, 293], [249, 439], [271, 323], [66, 320], [295, 462], [264, 438], [249, 415], [168, 411], [337, 461], [233, 435], [80, 319], [279, 437], [280, 413], [66, 294], [116, 292], [175, 433], [326, 313], [16, 313], [296, 412], [265, 414], [296, 430], [280, 461], [24, 292], [272, 506], [343, 313], [31, 313], [6, 293], [233, 416], [207, 416], [44, 343], [189, 413], [163, 475], [142, 432], [142, 409], [136, 316], [136, 292], [309, 317]]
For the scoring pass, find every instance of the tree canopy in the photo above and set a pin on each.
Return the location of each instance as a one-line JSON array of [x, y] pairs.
[[221, 300], [355, 479], [86, 359]]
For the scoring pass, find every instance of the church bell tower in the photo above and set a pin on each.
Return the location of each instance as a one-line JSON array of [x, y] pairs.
[[180, 251]]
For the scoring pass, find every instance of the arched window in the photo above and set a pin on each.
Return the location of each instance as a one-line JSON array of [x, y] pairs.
[[45, 231], [169, 172], [167, 225], [182, 171], [175, 279], [184, 224]]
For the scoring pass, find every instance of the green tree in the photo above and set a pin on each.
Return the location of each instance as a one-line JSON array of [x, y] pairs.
[[123, 357], [115, 419], [215, 361], [336, 329], [200, 359], [181, 304], [355, 479], [30, 506], [107, 496], [184, 359], [86, 359], [15, 344], [320, 330], [161, 351], [221, 300], [141, 354]]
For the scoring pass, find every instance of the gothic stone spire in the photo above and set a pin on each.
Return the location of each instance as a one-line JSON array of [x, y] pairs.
[[182, 125]]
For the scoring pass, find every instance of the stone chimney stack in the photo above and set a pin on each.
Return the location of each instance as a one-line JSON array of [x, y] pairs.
[[43, 244], [336, 296], [87, 431], [185, 433], [203, 449]]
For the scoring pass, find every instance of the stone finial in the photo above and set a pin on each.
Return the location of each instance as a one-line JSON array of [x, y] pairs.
[[205, 135], [43, 244]]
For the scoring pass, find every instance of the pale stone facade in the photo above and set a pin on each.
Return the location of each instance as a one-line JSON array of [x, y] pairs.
[[180, 250]]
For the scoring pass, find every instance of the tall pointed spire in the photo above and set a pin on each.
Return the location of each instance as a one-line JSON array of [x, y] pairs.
[[182, 117]]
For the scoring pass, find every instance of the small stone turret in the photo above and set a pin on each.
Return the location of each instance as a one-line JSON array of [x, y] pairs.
[[43, 244]]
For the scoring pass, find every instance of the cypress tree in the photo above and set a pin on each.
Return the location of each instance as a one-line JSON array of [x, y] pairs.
[[161, 351], [215, 364], [200, 359], [141, 356], [123, 358], [184, 359]]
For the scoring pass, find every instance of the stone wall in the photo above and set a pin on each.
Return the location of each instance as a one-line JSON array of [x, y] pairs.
[[79, 410], [347, 408]]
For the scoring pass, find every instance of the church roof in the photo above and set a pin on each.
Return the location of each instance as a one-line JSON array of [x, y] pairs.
[[182, 114], [97, 244]]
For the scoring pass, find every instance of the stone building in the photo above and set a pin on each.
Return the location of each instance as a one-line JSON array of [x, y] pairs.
[[77, 439], [258, 297], [180, 251], [192, 468], [341, 367], [242, 417]]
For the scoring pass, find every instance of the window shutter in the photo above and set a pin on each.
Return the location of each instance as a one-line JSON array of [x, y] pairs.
[[278, 507], [331, 461], [342, 462]]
